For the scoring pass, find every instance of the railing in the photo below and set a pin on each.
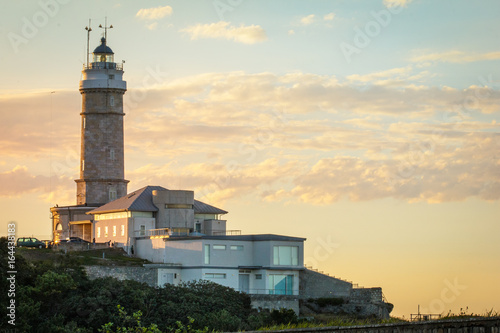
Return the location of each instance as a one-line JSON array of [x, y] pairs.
[[104, 65], [424, 317], [278, 292], [227, 233], [164, 232]]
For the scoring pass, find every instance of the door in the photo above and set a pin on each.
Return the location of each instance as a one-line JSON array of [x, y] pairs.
[[244, 283]]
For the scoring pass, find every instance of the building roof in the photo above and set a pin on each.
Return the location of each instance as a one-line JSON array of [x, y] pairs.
[[253, 238], [142, 200], [103, 48]]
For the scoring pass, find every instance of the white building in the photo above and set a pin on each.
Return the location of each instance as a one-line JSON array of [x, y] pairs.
[[189, 240], [255, 264]]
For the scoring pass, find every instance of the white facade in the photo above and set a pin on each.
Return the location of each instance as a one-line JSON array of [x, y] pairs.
[[255, 264]]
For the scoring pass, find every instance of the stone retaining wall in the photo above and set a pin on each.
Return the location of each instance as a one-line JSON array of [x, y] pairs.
[[140, 274]]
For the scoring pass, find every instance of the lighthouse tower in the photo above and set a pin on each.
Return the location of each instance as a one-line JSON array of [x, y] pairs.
[[102, 154]]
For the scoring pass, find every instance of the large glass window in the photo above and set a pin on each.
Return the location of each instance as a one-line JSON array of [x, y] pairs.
[[286, 255], [280, 284], [207, 254]]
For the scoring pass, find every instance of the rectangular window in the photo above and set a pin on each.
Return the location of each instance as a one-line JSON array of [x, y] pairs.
[[122, 230], [280, 284], [84, 123], [215, 275], [207, 254], [83, 165], [112, 154], [258, 276], [236, 247], [143, 230], [219, 247], [105, 231], [98, 232], [112, 194], [286, 255], [114, 230]]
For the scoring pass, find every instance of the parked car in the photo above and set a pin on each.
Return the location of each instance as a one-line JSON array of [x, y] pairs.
[[30, 242], [77, 240]]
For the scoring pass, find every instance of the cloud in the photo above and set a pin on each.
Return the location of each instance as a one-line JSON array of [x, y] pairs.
[[329, 17], [222, 30], [455, 56], [152, 26], [154, 13], [307, 20], [19, 181], [396, 3], [292, 137]]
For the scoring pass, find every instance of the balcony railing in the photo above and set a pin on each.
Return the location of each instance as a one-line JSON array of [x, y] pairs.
[[164, 232], [104, 65], [269, 292], [226, 233]]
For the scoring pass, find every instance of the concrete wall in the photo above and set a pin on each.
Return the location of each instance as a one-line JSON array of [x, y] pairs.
[[317, 285], [175, 209]]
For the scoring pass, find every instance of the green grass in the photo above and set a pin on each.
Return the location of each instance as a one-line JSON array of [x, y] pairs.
[[112, 257], [327, 321]]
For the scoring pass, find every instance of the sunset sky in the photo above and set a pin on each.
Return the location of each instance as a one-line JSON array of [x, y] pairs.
[[369, 127]]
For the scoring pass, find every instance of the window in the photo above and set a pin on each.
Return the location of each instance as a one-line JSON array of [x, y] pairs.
[[215, 275], [112, 154], [197, 227], [98, 232], [258, 276], [219, 247], [236, 247], [122, 227], [207, 254], [114, 230], [105, 231], [143, 230], [84, 122], [83, 165], [280, 284], [112, 99], [112, 194], [286, 255]]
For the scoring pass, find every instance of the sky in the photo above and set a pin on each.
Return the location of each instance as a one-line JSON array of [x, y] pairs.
[[369, 127]]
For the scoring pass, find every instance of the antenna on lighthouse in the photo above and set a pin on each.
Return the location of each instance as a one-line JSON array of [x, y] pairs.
[[106, 28], [89, 29]]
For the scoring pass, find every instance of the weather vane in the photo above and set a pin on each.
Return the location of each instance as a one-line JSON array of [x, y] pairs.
[[105, 28]]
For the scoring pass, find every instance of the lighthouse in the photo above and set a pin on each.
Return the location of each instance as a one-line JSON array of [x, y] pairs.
[[101, 177], [102, 154]]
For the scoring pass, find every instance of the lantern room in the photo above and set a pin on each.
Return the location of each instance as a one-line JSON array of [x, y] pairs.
[[103, 53]]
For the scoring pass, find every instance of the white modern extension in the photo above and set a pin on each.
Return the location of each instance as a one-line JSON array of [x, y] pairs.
[[255, 264]]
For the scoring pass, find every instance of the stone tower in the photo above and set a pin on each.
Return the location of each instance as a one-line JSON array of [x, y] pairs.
[[102, 154]]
